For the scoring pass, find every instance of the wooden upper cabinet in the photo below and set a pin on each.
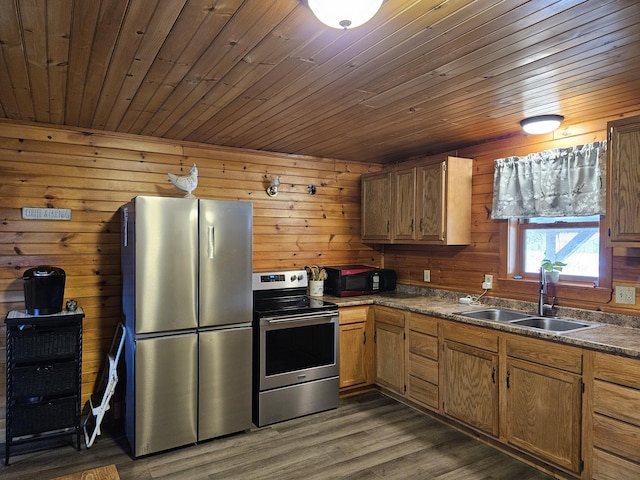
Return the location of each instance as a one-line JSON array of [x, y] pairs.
[[430, 203], [623, 182], [376, 207], [431, 207], [404, 206]]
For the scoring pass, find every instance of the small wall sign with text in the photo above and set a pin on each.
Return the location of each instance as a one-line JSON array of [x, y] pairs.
[[31, 213]]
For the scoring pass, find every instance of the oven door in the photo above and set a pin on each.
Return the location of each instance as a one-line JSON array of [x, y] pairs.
[[297, 349]]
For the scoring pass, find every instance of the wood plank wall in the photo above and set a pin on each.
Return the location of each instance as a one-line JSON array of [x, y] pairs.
[[462, 268], [94, 173]]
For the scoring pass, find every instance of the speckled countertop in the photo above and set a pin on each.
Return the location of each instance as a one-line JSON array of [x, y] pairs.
[[619, 334]]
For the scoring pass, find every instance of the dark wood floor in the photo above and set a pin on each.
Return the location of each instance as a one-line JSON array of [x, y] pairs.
[[369, 436]]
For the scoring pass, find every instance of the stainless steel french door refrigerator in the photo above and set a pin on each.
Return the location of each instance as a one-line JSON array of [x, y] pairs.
[[187, 302]]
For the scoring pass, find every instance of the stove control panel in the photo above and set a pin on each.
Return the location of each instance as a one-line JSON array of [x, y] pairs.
[[279, 280]]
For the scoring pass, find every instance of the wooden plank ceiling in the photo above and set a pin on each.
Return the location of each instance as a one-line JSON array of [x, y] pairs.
[[423, 77]]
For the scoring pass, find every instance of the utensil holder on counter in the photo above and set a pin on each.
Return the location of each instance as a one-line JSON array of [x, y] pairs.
[[316, 288]]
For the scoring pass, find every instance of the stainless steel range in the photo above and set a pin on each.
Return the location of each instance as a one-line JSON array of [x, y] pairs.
[[295, 354]]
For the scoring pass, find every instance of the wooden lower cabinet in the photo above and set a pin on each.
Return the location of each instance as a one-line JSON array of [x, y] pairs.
[[422, 360], [524, 392], [390, 356], [613, 438], [356, 348], [469, 386], [543, 412], [543, 400]]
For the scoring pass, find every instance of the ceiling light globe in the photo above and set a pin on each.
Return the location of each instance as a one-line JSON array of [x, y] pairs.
[[541, 124], [344, 14]]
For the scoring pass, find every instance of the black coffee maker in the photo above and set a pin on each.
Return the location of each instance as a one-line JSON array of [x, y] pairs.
[[43, 290]]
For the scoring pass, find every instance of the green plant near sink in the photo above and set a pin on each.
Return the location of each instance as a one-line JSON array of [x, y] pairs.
[[552, 269]]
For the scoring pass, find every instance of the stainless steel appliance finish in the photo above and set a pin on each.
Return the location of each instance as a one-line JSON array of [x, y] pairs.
[[296, 349], [187, 302]]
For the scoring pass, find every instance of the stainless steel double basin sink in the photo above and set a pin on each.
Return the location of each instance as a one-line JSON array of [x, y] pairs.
[[546, 324]]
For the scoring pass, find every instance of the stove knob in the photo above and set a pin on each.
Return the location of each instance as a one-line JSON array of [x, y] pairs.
[[293, 278], [300, 277]]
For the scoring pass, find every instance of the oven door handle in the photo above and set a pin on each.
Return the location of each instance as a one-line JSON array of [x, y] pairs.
[[299, 318]]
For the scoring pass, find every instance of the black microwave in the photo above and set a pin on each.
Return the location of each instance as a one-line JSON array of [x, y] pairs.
[[351, 280]]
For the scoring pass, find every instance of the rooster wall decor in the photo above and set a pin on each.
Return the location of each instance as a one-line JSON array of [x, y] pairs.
[[186, 183]]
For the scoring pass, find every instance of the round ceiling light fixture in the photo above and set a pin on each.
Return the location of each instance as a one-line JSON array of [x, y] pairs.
[[541, 124], [344, 14]]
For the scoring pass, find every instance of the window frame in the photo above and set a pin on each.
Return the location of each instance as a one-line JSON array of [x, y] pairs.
[[567, 292], [522, 225]]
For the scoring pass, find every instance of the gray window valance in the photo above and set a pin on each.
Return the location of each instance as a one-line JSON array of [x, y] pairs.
[[554, 183]]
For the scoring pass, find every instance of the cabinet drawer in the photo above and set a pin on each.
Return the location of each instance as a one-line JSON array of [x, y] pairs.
[[611, 467], [424, 368], [616, 437], [424, 345], [390, 316], [423, 392], [43, 344], [43, 417], [621, 370], [353, 314], [483, 338], [616, 402], [423, 323], [545, 353], [44, 380]]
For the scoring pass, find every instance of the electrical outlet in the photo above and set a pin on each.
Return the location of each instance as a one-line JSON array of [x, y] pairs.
[[626, 295], [488, 278], [427, 276]]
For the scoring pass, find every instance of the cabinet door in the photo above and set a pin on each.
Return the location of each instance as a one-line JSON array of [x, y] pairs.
[[623, 207], [376, 207], [430, 205], [544, 411], [353, 341], [404, 197], [469, 386], [390, 356]]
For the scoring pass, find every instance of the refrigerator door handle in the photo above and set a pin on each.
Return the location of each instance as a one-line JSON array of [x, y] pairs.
[[210, 241]]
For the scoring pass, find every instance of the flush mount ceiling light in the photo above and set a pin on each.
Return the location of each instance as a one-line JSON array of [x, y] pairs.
[[344, 14], [541, 124]]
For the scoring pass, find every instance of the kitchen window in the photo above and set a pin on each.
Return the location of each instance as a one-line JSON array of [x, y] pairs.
[[571, 240], [553, 204]]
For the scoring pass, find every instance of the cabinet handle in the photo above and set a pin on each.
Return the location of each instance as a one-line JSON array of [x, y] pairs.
[[493, 375], [421, 229], [364, 338], [387, 226], [508, 382], [411, 225]]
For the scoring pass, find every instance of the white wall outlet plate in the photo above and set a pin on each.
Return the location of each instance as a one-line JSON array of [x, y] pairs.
[[488, 278], [427, 276], [626, 295]]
